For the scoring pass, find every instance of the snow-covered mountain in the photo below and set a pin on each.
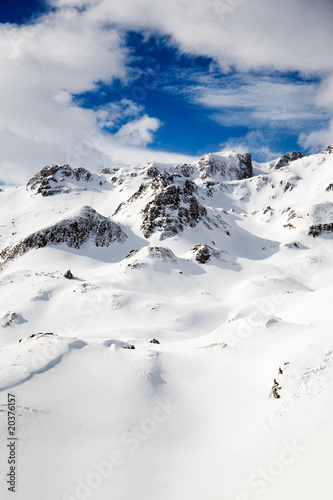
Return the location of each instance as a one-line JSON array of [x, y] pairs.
[[188, 352]]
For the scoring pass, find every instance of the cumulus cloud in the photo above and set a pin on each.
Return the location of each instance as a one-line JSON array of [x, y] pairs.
[[43, 66], [138, 132], [81, 43], [247, 35]]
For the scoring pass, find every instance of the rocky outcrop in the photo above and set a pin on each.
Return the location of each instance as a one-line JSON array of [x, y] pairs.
[[52, 180], [172, 210], [228, 166], [74, 230], [322, 217], [170, 205], [203, 253], [285, 159], [316, 230], [328, 150]]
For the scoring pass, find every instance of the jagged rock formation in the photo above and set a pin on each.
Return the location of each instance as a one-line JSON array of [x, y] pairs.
[[74, 230], [285, 159], [50, 180], [173, 206], [231, 167]]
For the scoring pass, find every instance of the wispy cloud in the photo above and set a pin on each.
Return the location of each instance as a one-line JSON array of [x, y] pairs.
[[252, 100]]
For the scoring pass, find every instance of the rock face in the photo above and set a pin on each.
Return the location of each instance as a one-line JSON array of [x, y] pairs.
[[52, 179], [170, 206], [173, 208], [285, 159], [74, 230], [230, 166]]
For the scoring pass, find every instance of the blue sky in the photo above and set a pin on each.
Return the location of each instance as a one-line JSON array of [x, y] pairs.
[[130, 81]]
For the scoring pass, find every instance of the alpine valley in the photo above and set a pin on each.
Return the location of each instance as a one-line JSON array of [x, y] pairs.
[[165, 331]]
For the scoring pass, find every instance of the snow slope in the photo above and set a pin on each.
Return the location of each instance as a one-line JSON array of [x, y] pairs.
[[219, 261]]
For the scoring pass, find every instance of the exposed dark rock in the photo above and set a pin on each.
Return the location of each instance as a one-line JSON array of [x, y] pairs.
[[328, 150], [132, 253], [290, 184], [329, 187], [68, 275], [74, 230], [275, 389], [318, 229], [173, 206], [51, 179], [172, 210], [155, 341], [40, 334], [294, 244], [152, 172], [106, 171], [230, 167], [185, 169], [203, 253], [285, 159]]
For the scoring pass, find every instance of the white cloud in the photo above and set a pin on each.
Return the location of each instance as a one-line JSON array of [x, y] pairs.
[[114, 113], [43, 65], [71, 50], [245, 100], [138, 132], [248, 34], [255, 141]]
